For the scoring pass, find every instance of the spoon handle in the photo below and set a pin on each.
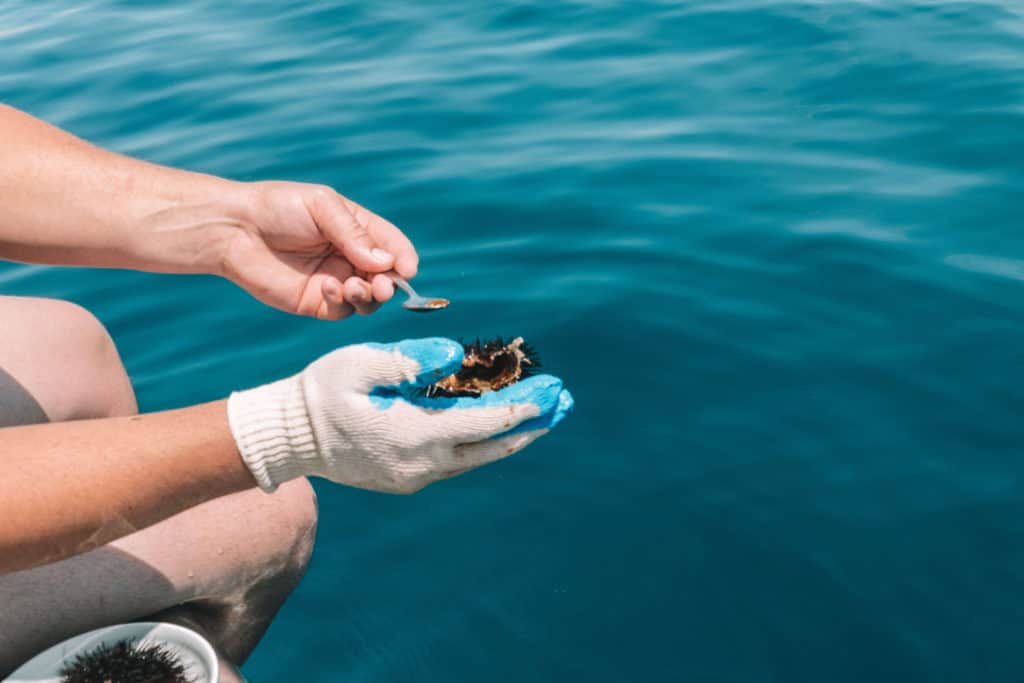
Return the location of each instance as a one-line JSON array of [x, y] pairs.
[[403, 284]]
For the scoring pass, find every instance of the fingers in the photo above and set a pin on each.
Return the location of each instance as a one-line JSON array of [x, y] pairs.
[[394, 241], [370, 242], [338, 221], [323, 296], [407, 364], [551, 419], [383, 288], [540, 390], [479, 424], [335, 291], [387, 236], [468, 420], [341, 296], [333, 305], [358, 293], [472, 455]]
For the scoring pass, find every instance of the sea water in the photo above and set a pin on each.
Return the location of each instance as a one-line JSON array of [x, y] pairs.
[[774, 248]]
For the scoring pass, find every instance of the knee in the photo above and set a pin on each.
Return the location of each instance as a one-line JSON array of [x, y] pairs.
[[85, 377], [295, 527], [235, 608]]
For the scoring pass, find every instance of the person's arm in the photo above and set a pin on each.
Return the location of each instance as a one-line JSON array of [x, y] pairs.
[[302, 248], [356, 416], [68, 487]]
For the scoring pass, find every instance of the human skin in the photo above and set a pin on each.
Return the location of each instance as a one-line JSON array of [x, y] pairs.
[[69, 487], [209, 567], [112, 476], [301, 248]]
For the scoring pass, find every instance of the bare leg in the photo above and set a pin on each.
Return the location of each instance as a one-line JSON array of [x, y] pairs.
[[223, 568], [64, 358], [226, 566]]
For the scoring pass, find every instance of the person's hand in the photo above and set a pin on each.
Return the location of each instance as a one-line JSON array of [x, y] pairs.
[[358, 416], [308, 250]]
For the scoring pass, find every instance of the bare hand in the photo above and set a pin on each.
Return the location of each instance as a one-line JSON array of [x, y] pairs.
[[308, 250]]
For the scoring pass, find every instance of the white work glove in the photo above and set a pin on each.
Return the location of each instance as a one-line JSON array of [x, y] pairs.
[[355, 417]]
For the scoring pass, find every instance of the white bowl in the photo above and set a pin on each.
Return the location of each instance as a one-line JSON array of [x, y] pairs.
[[192, 650]]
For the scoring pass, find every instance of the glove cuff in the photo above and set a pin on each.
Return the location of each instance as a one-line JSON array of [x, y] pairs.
[[272, 430]]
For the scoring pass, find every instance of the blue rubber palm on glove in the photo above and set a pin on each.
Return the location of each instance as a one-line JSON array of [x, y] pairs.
[[357, 416]]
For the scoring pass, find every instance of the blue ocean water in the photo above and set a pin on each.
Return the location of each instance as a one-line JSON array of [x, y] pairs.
[[774, 248]]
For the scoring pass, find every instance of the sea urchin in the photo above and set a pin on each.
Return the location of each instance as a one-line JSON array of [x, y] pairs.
[[125, 662], [488, 366]]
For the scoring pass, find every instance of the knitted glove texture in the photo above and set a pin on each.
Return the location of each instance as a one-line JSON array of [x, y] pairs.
[[358, 416]]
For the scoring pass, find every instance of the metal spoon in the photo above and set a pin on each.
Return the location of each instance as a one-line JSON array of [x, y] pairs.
[[415, 302]]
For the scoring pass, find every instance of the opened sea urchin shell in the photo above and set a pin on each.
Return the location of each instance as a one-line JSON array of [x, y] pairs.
[[488, 366]]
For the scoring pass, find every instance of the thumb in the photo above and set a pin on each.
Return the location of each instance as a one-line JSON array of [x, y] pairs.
[[495, 448], [340, 224], [402, 365], [483, 452]]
